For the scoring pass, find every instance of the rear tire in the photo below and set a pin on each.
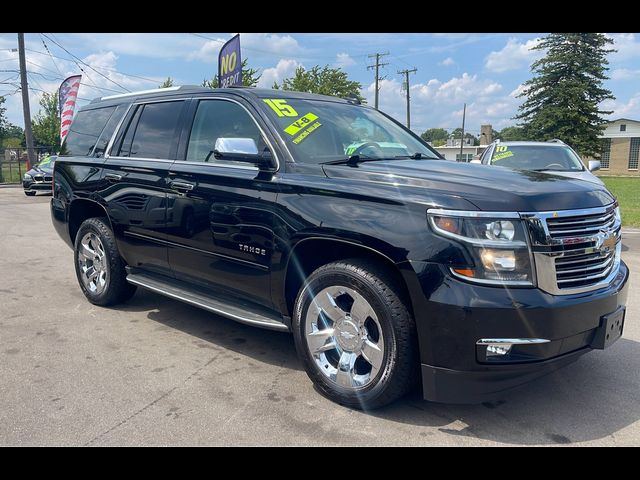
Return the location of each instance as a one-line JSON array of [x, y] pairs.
[[99, 268], [355, 335]]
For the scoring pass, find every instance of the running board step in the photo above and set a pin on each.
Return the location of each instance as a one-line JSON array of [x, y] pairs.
[[249, 314]]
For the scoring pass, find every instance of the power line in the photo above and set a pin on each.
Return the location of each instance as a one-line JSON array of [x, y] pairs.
[[376, 67], [84, 63], [154, 80], [49, 52]]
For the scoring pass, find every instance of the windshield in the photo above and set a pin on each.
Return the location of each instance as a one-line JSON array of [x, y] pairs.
[[47, 163], [537, 157], [319, 131]]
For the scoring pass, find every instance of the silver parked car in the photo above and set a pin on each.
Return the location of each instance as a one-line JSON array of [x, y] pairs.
[[554, 157]]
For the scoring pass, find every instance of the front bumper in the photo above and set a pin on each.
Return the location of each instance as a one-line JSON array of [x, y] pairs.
[[32, 186], [452, 315]]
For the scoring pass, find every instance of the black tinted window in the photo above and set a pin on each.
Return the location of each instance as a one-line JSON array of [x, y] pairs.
[[220, 119], [153, 135], [108, 130], [85, 130]]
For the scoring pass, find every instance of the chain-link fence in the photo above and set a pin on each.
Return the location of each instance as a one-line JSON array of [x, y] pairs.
[[14, 163]]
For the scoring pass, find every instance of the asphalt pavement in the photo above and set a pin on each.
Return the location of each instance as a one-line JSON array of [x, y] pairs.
[[158, 372]]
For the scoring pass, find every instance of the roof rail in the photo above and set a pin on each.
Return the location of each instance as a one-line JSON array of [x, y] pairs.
[[142, 92], [556, 140]]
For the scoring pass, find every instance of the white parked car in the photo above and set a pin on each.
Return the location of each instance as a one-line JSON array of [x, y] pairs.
[[554, 157]]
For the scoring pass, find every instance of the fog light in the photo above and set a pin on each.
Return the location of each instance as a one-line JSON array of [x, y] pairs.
[[497, 350]]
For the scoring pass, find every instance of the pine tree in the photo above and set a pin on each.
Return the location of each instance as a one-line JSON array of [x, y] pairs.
[[563, 98]]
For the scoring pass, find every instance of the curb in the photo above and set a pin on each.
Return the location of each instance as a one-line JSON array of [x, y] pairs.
[[632, 231], [10, 185]]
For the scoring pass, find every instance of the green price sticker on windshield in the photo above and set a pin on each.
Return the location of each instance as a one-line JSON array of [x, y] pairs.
[[281, 107], [301, 123]]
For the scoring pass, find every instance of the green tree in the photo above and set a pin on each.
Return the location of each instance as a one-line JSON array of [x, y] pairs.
[[250, 77], [457, 133], [323, 80], [46, 126], [511, 134], [437, 136], [563, 97], [167, 83]]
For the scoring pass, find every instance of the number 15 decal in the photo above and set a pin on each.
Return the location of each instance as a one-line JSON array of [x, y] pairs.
[[280, 107]]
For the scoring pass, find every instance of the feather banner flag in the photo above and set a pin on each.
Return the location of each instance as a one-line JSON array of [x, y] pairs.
[[67, 95]]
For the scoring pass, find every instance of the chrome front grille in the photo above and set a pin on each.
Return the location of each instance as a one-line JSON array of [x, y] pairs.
[[579, 226], [583, 269], [575, 250]]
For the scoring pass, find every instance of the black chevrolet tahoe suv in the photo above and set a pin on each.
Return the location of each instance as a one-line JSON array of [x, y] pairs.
[[329, 219]]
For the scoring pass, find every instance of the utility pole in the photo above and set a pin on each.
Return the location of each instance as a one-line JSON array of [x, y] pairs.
[[377, 68], [406, 86], [25, 102], [464, 114]]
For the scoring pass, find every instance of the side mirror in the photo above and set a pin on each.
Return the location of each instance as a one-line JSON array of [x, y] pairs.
[[245, 146], [594, 165], [241, 150], [476, 160]]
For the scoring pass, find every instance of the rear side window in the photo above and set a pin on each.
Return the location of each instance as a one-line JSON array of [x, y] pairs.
[[152, 131], [108, 130], [85, 131]]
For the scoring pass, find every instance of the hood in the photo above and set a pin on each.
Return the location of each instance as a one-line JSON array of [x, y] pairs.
[[492, 189], [585, 175]]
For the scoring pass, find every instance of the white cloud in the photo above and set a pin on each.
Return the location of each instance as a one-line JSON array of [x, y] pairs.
[[513, 56], [284, 69], [208, 52], [447, 62], [437, 103], [283, 45], [621, 109], [625, 74], [627, 46], [344, 60]]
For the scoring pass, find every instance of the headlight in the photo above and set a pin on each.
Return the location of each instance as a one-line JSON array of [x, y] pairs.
[[27, 177], [618, 215], [496, 242]]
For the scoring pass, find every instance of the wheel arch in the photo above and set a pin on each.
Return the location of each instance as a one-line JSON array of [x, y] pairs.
[[303, 260], [80, 210]]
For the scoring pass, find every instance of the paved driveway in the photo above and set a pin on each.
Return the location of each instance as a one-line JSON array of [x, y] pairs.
[[158, 372]]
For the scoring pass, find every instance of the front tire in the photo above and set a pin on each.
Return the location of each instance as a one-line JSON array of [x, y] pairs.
[[29, 194], [99, 268], [355, 335]]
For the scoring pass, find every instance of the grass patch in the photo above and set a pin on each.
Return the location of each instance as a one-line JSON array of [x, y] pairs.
[[10, 173], [627, 189]]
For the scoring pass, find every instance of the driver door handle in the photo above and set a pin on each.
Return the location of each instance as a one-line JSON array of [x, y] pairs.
[[112, 177], [182, 186]]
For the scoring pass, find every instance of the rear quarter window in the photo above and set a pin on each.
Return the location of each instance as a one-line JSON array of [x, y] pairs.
[[85, 131]]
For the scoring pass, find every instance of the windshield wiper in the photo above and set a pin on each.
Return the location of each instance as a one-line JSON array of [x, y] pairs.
[[353, 160], [553, 170], [417, 156]]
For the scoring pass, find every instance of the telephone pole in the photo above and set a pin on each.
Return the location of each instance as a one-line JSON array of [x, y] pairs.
[[25, 102], [405, 85], [464, 114], [377, 68]]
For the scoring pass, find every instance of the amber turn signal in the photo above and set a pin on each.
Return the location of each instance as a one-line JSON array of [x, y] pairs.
[[448, 224], [467, 272]]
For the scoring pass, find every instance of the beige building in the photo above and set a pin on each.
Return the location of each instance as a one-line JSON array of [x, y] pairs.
[[621, 147]]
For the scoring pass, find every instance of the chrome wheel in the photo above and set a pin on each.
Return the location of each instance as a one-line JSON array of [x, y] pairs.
[[344, 336], [92, 260]]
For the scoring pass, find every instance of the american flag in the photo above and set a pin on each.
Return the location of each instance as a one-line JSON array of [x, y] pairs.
[[67, 95]]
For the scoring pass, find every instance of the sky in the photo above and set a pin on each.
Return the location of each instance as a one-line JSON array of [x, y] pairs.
[[483, 70]]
